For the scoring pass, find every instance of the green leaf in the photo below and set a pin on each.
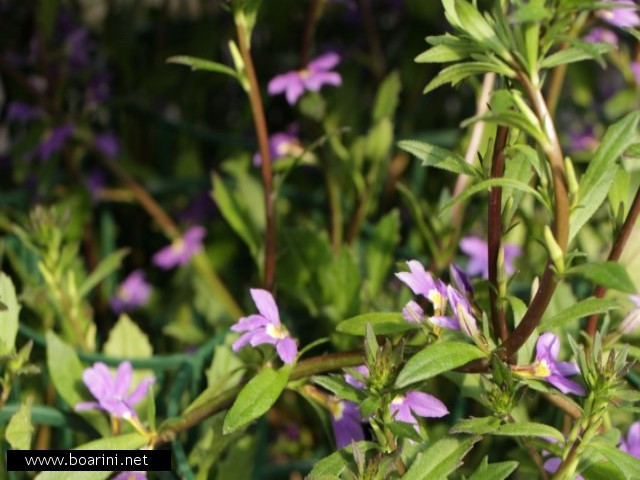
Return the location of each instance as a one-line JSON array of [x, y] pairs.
[[8, 315], [440, 459], [602, 471], [433, 156], [628, 465], [611, 275], [476, 426], [380, 251], [581, 309], [383, 323], [512, 119], [527, 429], [20, 430], [131, 441], [454, 74], [201, 64], [445, 53], [68, 380], [108, 265], [387, 97], [597, 180], [575, 54], [337, 462], [493, 471], [339, 387], [485, 185], [475, 25], [256, 397], [436, 359], [127, 340]]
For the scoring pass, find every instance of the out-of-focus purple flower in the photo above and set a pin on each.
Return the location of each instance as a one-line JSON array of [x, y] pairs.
[[624, 17], [462, 319], [420, 404], [95, 182], [77, 48], [265, 328], [181, 250], [97, 90], [318, 73], [22, 112], [635, 69], [107, 144], [112, 393], [281, 145], [552, 464], [631, 444], [478, 251], [632, 320], [53, 141], [346, 421], [461, 280], [200, 209], [132, 293], [422, 283], [355, 382], [547, 368], [131, 476], [583, 139], [601, 35]]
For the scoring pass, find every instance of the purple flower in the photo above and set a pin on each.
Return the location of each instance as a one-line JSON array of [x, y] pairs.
[[181, 250], [281, 145], [625, 17], [131, 476], [478, 251], [132, 293], [462, 319], [548, 369], [98, 90], [407, 407], [95, 182], [346, 421], [355, 382], [631, 444], [294, 83], [53, 141], [583, 139], [461, 280], [265, 328], [422, 283], [635, 69], [22, 112], [632, 320], [77, 48], [601, 35], [552, 465], [412, 312], [112, 392], [107, 144]]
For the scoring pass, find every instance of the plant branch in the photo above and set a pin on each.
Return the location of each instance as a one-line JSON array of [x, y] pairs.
[[614, 255], [260, 123], [309, 29], [494, 222]]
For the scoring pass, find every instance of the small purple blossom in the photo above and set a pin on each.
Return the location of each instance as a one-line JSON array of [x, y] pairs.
[[624, 17], [584, 139], [95, 182], [281, 145], [77, 48], [547, 368], [107, 144], [635, 69], [132, 293], [318, 73], [478, 251], [601, 35], [181, 250], [265, 328], [632, 320], [53, 141], [422, 283], [355, 382], [631, 444], [21, 112], [416, 404], [112, 392], [131, 476], [346, 421]]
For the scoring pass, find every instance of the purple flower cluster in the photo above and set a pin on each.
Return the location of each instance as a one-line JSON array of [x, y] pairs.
[[132, 293], [265, 328], [181, 250], [623, 17], [281, 144]]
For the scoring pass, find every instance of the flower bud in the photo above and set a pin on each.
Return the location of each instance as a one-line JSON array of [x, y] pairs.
[[557, 256]]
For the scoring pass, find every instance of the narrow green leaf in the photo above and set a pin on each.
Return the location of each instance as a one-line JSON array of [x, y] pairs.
[[127, 340], [628, 464], [8, 315], [337, 462], [528, 429], [608, 274], [475, 25], [20, 430], [201, 64], [131, 441], [602, 471], [476, 426], [440, 459], [510, 119], [383, 323], [387, 97], [485, 185], [256, 397], [107, 266], [493, 471], [433, 156], [339, 387], [597, 180], [454, 74], [436, 359], [575, 54], [445, 54], [581, 309]]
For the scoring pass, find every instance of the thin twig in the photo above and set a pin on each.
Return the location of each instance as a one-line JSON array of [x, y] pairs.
[[377, 53], [309, 29], [614, 256]]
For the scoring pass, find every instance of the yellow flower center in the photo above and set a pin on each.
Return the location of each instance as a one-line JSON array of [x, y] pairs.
[[336, 408], [439, 302], [304, 73], [277, 332]]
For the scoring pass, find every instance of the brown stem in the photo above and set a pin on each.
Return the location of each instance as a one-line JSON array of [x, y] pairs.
[[309, 29], [377, 53], [498, 318], [357, 219], [262, 132], [614, 255]]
